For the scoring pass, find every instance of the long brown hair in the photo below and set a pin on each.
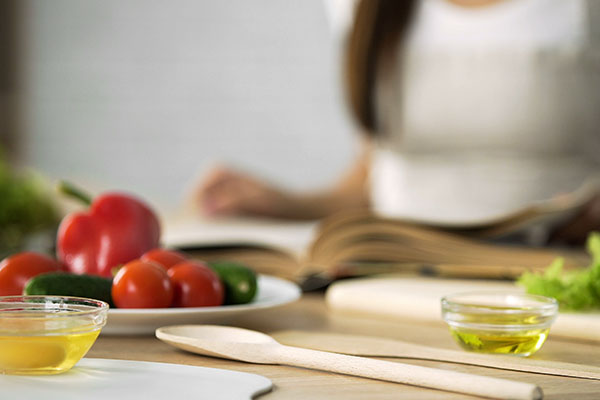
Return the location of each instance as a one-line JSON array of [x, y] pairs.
[[378, 27]]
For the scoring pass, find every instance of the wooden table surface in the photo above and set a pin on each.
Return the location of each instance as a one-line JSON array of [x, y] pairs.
[[310, 313]]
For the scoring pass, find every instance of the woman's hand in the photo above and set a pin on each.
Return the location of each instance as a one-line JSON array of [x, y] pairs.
[[228, 192]]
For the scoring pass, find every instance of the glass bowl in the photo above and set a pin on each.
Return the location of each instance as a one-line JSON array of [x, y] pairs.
[[499, 322], [42, 335]]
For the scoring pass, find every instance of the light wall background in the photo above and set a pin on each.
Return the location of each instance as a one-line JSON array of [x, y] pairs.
[[146, 95]]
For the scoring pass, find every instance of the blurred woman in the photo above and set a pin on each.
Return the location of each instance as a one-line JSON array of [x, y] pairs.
[[470, 110]]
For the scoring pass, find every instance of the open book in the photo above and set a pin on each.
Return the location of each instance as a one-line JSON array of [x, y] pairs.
[[361, 243]]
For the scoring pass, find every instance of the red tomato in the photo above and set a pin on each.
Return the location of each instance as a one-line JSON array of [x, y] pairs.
[[195, 285], [17, 269], [164, 257], [142, 284]]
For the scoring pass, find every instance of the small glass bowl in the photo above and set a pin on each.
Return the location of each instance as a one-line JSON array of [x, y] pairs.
[[499, 322], [41, 335]]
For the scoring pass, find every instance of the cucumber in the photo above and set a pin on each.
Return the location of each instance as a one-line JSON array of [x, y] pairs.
[[64, 284], [238, 280]]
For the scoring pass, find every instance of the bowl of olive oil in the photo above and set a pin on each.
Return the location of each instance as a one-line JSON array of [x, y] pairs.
[[499, 322], [41, 335]]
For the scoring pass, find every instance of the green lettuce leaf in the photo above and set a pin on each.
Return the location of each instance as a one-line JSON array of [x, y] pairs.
[[574, 290]]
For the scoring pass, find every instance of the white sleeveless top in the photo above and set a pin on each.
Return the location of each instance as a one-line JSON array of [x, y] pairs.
[[494, 108]]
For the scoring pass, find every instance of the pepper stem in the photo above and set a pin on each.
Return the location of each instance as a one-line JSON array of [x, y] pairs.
[[73, 191]]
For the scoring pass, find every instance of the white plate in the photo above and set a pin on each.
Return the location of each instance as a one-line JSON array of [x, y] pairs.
[[272, 292], [97, 379]]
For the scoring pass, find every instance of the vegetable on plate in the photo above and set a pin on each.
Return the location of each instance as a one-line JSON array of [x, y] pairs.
[[195, 285], [65, 284], [17, 269], [166, 258], [240, 282], [117, 228], [142, 284]]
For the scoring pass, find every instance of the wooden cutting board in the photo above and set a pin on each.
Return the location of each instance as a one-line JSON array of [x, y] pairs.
[[418, 298]]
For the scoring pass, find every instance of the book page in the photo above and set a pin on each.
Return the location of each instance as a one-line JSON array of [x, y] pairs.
[[197, 232]]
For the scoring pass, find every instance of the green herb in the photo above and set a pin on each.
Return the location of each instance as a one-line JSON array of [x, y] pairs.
[[25, 208], [574, 290], [471, 340]]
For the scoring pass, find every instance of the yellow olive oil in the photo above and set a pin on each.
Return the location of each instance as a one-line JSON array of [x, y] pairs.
[[522, 343], [499, 322], [41, 355]]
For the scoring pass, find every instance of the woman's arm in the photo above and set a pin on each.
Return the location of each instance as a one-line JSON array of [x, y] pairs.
[[228, 192]]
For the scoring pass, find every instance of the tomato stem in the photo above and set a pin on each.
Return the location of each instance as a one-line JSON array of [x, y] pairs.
[[73, 191]]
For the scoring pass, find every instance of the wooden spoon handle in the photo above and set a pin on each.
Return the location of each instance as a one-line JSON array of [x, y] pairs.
[[380, 347], [408, 374]]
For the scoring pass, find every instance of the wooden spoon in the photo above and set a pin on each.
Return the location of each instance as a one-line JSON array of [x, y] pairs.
[[379, 347], [255, 347]]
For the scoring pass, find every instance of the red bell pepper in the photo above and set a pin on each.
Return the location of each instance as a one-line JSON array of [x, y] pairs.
[[117, 228]]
